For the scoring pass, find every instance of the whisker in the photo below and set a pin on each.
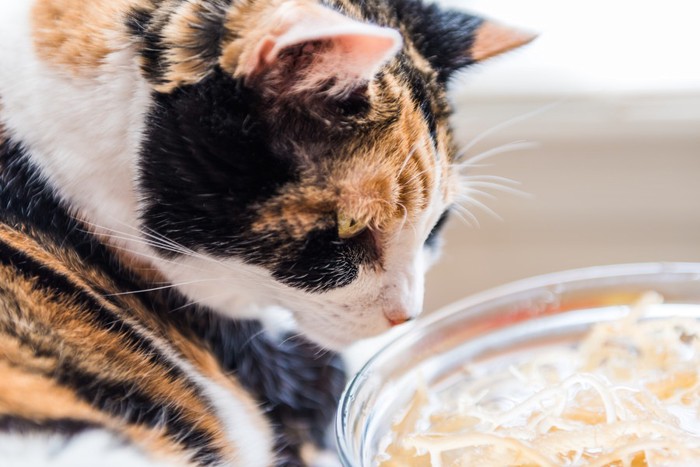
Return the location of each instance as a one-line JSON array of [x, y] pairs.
[[408, 158], [511, 121], [164, 287], [501, 188], [469, 192], [110, 232], [494, 178], [157, 236], [157, 258], [417, 175], [476, 203], [404, 219], [196, 302], [141, 241], [470, 220], [183, 249], [290, 337], [512, 146], [158, 243], [251, 338]]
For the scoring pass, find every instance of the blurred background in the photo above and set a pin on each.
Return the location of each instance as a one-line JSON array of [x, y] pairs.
[[602, 112]]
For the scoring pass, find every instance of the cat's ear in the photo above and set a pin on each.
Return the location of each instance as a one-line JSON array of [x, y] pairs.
[[452, 40], [492, 38], [304, 46]]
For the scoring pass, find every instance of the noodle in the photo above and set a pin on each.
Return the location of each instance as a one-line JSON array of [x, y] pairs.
[[627, 395]]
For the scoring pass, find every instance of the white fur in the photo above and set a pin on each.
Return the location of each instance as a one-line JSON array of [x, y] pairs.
[[244, 423], [84, 134], [87, 449], [335, 318], [254, 446]]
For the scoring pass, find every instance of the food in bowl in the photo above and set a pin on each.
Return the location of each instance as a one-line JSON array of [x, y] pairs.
[[626, 394]]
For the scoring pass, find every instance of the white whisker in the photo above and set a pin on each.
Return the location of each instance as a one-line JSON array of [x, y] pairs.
[[196, 302], [254, 336], [183, 249], [492, 178], [504, 148], [476, 203], [408, 158], [470, 192], [110, 233], [511, 121], [140, 241], [158, 258], [169, 286], [470, 219], [498, 187]]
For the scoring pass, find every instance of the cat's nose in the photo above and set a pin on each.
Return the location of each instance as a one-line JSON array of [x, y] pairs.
[[397, 317]]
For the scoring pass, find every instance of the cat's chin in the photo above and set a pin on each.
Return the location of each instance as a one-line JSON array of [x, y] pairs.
[[336, 336], [337, 342]]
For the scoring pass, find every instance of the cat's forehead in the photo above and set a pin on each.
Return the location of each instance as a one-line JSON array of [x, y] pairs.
[[180, 42], [385, 175]]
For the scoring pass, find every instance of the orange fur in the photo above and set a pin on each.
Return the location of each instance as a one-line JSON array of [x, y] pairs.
[[34, 396], [59, 322], [493, 39], [78, 35]]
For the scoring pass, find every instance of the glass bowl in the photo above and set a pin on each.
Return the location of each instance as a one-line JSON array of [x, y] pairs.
[[522, 316]]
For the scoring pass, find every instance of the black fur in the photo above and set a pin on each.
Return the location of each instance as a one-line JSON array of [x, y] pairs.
[[444, 37], [64, 426], [153, 50], [212, 156], [423, 95], [215, 151], [432, 239], [296, 382], [207, 162]]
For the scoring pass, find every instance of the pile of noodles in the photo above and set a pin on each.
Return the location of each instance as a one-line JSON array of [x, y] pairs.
[[627, 395]]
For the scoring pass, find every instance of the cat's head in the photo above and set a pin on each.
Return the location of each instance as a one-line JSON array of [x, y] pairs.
[[304, 148]]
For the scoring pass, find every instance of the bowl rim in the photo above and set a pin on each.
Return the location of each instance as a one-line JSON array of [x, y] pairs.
[[568, 276]]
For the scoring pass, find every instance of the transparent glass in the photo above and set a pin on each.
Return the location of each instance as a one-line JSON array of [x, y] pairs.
[[556, 308]]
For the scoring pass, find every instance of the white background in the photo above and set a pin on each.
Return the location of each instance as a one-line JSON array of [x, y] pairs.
[[616, 174]]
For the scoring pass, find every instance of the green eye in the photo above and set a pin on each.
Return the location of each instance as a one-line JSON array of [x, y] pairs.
[[349, 227]]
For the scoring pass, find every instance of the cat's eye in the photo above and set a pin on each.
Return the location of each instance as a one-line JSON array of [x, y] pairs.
[[439, 225], [348, 226]]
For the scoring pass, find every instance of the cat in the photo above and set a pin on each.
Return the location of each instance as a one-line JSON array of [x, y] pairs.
[[173, 173]]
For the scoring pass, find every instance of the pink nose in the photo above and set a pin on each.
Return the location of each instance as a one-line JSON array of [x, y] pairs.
[[397, 317], [396, 322]]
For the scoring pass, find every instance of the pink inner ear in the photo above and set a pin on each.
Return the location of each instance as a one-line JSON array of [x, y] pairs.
[[354, 50]]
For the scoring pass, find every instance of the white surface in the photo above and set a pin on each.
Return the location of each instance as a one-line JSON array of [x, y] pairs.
[[615, 176], [595, 46]]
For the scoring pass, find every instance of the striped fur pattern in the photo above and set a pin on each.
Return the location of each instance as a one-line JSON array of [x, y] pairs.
[[80, 352], [173, 173]]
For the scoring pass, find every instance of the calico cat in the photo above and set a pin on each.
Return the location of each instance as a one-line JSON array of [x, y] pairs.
[[175, 172]]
